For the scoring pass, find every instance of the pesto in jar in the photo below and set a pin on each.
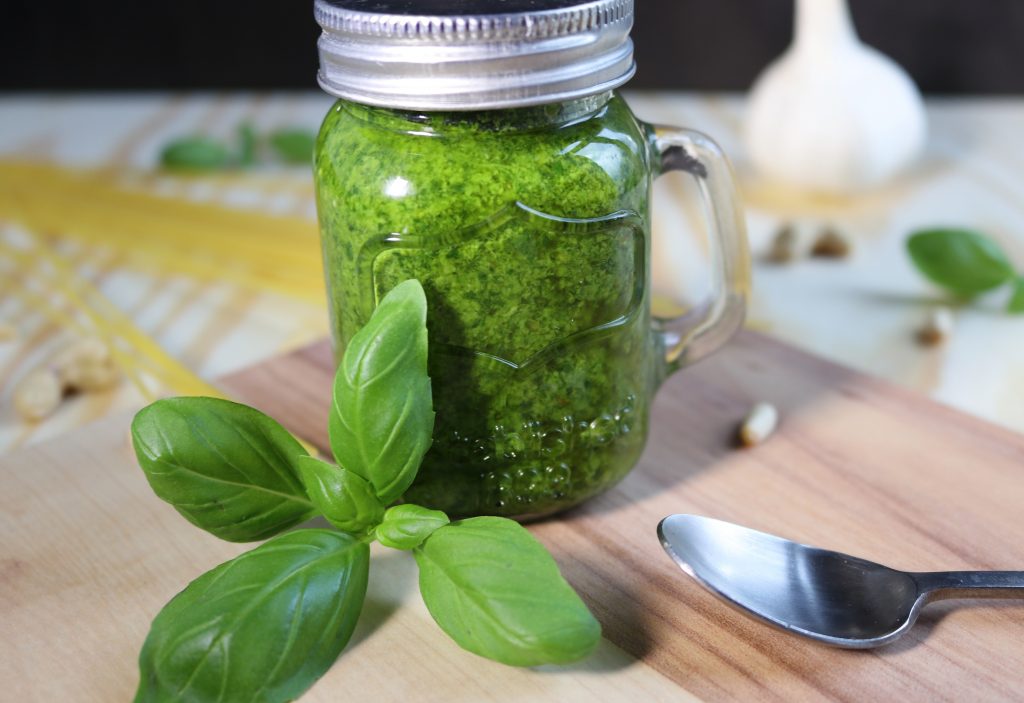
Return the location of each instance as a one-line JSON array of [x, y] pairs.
[[528, 230]]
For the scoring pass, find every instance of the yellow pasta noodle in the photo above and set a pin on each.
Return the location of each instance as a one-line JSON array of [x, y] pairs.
[[173, 235], [132, 349]]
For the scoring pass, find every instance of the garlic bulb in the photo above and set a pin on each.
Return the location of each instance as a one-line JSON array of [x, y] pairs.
[[832, 114]]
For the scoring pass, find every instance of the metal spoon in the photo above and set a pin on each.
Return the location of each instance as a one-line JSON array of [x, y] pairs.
[[827, 596]]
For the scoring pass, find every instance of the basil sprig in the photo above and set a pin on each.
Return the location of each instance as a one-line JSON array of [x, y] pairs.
[[265, 625], [966, 263], [196, 154], [1016, 304], [248, 143]]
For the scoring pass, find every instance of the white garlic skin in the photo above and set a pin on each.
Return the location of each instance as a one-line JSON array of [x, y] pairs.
[[833, 115]]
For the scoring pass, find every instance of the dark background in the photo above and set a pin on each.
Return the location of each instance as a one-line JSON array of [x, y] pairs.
[[949, 46]]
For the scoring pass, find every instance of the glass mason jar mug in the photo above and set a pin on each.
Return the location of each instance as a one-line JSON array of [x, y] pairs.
[[487, 155]]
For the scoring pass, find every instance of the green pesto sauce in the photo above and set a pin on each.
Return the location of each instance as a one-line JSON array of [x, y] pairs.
[[528, 229]]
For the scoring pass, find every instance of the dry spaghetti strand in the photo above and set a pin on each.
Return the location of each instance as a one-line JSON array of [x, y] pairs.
[[106, 321], [203, 241]]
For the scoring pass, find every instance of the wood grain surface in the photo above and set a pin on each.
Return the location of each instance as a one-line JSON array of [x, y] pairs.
[[89, 555]]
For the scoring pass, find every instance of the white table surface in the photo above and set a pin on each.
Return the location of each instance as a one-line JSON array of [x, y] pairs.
[[862, 312]]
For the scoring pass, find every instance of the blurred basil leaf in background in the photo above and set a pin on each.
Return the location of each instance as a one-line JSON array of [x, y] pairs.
[[195, 154], [962, 261], [293, 146], [247, 144], [1016, 305]]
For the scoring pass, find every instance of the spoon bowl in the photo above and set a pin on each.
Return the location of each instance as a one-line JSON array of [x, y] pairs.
[[828, 596]]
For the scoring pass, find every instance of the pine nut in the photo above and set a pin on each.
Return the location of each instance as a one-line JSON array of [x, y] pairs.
[[937, 327], [38, 395], [759, 424]]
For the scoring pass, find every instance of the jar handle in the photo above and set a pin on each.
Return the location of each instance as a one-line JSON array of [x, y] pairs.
[[701, 331]]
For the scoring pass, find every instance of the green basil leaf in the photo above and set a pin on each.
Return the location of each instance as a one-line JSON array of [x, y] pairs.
[[261, 627], [195, 153], [406, 526], [227, 468], [1016, 304], [294, 146], [246, 144], [498, 593], [345, 499], [962, 261], [382, 419]]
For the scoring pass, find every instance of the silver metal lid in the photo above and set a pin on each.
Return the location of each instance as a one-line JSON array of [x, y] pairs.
[[473, 54]]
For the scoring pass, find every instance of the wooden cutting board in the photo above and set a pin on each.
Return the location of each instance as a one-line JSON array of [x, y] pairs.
[[88, 555]]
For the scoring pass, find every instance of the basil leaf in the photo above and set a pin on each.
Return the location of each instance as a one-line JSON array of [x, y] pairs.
[[382, 419], [498, 593], [246, 144], [261, 627], [1016, 304], [195, 153], [964, 262], [406, 526], [345, 499], [227, 468], [294, 146]]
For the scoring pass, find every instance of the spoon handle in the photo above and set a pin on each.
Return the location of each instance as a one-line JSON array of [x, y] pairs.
[[971, 584]]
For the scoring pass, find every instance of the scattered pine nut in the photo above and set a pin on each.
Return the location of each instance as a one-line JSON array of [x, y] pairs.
[[784, 245], [86, 365], [38, 395], [759, 424], [8, 332], [830, 244], [937, 327]]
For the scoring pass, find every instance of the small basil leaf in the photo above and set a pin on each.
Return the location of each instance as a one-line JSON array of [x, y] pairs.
[[261, 627], [195, 153], [962, 261], [345, 499], [382, 419], [498, 593], [406, 526], [294, 146], [246, 144], [227, 468], [1016, 304]]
